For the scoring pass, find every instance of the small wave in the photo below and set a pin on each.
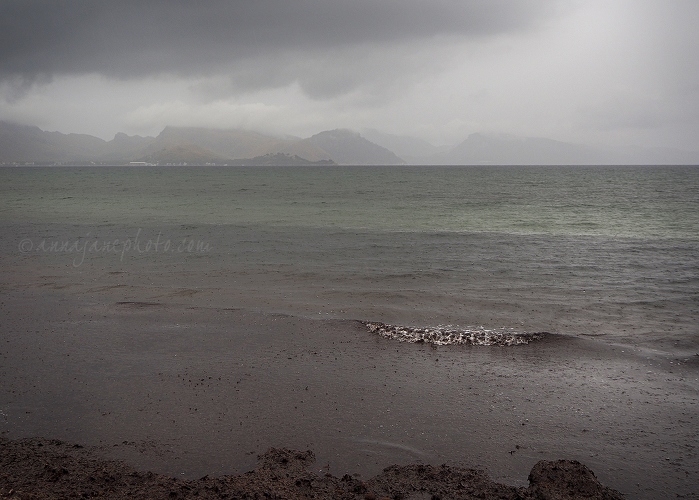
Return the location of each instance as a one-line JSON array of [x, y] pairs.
[[446, 335]]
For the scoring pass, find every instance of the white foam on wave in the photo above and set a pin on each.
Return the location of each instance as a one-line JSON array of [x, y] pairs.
[[448, 335]]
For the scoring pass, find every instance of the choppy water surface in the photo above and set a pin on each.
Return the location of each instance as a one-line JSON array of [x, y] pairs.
[[636, 202], [604, 251]]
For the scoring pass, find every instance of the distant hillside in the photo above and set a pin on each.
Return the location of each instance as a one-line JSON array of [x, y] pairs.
[[350, 148], [412, 149], [177, 154], [231, 144], [280, 160], [336, 146], [124, 148], [226, 143], [22, 143], [500, 149]]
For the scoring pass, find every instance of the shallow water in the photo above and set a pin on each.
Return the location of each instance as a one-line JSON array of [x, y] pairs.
[[605, 251]]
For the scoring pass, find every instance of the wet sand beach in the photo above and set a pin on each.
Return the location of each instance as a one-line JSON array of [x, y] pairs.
[[187, 390]]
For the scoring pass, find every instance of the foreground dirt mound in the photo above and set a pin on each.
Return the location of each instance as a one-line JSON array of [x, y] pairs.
[[40, 468], [566, 479]]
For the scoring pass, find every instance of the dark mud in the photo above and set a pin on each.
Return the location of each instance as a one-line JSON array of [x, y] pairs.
[[39, 468]]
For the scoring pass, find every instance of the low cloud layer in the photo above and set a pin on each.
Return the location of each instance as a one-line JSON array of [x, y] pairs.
[[616, 71]]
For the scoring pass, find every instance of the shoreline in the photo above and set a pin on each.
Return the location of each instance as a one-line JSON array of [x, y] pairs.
[[336, 276], [190, 391]]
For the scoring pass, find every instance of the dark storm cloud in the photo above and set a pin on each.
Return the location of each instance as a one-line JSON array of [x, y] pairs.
[[134, 38]]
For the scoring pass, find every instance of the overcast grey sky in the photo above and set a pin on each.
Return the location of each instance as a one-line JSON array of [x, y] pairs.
[[615, 72]]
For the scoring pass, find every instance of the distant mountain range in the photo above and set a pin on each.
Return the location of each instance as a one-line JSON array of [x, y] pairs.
[[191, 146], [22, 144], [503, 149]]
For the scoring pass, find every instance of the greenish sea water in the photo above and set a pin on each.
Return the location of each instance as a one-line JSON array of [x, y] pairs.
[[611, 252]]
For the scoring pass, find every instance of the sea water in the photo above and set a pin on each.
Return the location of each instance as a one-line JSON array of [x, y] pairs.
[[604, 251]]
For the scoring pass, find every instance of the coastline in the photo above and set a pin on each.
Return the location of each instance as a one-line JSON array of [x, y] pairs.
[[188, 391]]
